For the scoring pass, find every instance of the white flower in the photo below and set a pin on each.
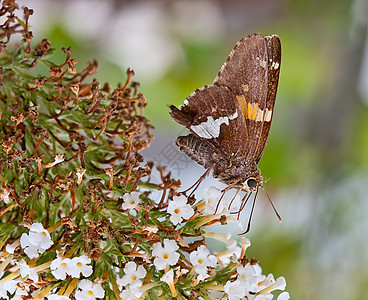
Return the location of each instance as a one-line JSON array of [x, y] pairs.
[[80, 173], [244, 243], [7, 287], [60, 267], [87, 290], [222, 237], [258, 270], [4, 195], [25, 271], [235, 290], [37, 241], [165, 255], [29, 249], [266, 282], [272, 285], [269, 284], [233, 249], [202, 277], [266, 296], [58, 158], [179, 209], [21, 290], [131, 294], [151, 229], [280, 283], [168, 277], [130, 200], [211, 197], [245, 272], [202, 259], [80, 265], [213, 294], [249, 277], [232, 252], [132, 276], [283, 296], [57, 297], [10, 248]]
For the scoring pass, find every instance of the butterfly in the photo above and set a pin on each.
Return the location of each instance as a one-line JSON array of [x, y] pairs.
[[229, 121]]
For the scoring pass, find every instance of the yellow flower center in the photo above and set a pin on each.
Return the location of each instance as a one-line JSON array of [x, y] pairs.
[[79, 264], [44, 233], [90, 293], [165, 256], [131, 202], [177, 211], [200, 261], [63, 265], [134, 278]]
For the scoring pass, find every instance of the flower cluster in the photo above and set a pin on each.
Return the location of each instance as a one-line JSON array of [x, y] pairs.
[[252, 284], [36, 242], [61, 267], [78, 219], [172, 260]]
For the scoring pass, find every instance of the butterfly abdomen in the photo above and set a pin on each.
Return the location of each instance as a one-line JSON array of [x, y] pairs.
[[196, 149]]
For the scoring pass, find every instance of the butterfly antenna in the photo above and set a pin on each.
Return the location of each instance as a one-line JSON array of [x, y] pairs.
[[273, 206], [251, 214]]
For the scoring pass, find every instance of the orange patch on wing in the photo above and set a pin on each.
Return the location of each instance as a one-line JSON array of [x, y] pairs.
[[254, 113], [243, 104]]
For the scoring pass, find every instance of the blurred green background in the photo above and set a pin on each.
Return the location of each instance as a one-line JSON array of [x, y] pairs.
[[316, 158]]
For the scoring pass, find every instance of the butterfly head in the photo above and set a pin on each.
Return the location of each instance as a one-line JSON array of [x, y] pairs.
[[252, 184]]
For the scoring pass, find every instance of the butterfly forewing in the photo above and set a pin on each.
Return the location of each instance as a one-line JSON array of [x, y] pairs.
[[242, 67], [245, 73], [274, 61]]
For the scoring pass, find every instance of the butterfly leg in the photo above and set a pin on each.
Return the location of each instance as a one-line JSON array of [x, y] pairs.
[[197, 183], [236, 194], [222, 196]]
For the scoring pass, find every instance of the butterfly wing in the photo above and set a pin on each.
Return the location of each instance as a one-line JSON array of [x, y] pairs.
[[231, 118], [213, 114], [274, 60], [245, 73]]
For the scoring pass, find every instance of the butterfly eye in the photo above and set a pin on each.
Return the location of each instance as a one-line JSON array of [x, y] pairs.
[[252, 183]]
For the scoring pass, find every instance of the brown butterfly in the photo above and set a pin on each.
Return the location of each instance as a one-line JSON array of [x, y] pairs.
[[230, 119]]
